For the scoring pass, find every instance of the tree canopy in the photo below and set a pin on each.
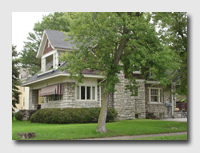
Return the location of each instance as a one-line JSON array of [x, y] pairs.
[[15, 77], [173, 31], [114, 42]]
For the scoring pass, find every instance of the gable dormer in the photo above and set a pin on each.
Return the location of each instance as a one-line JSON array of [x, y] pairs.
[[51, 45]]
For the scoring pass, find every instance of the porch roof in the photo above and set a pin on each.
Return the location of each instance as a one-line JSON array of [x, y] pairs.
[[51, 90], [56, 72]]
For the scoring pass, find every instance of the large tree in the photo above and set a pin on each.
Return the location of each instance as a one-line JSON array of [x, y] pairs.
[[173, 31], [15, 77], [53, 21], [112, 42]]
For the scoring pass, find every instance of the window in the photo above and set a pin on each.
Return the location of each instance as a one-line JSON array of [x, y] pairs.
[[55, 97], [23, 101], [23, 89], [85, 92], [136, 91], [155, 95]]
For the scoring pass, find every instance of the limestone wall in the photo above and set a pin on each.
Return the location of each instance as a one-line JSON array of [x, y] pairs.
[[68, 99], [127, 105], [33, 99], [160, 110]]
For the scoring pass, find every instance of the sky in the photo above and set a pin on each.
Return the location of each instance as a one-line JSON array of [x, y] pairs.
[[22, 24]]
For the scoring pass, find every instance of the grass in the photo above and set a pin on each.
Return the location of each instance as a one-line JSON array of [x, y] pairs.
[[80, 131], [171, 137]]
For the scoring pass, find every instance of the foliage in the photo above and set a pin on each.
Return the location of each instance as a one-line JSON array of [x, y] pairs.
[[173, 32], [15, 77], [83, 131], [18, 116], [114, 42], [70, 115], [55, 21], [117, 42]]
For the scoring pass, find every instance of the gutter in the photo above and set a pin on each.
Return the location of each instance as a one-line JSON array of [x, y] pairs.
[[60, 74]]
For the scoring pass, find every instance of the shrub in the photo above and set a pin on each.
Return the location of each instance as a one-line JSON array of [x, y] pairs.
[[18, 116], [70, 115], [150, 116]]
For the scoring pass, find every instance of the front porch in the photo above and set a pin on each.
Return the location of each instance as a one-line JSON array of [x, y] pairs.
[[67, 98]]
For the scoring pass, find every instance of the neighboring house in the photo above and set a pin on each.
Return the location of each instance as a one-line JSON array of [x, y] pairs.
[[181, 102], [24, 96], [56, 86]]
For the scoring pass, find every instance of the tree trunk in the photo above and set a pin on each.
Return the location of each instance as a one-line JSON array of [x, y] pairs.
[[101, 126]]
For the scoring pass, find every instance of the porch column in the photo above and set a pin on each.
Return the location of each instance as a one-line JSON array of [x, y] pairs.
[[141, 92], [33, 99], [43, 64]]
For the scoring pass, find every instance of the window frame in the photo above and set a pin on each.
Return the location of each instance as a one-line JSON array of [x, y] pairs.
[[23, 102], [160, 96], [50, 98], [78, 98]]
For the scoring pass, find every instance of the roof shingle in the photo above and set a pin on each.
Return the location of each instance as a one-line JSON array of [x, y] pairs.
[[56, 39]]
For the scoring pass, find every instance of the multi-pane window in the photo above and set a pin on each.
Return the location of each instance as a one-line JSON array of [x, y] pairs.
[[85, 93], [155, 95], [55, 97]]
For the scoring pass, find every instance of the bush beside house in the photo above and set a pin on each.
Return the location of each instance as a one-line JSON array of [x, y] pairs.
[[71, 115], [18, 116]]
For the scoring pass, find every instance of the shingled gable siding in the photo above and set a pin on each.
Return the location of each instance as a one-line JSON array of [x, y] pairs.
[[68, 100], [47, 49]]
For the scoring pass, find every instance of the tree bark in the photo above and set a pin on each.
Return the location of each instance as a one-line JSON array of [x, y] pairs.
[[101, 126]]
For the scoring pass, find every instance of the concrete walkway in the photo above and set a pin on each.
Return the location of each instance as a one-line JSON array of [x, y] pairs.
[[176, 119], [137, 136]]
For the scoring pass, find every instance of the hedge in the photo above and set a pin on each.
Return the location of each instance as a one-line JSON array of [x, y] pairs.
[[71, 115], [18, 116]]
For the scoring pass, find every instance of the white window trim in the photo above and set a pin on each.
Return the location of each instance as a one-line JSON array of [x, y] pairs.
[[85, 85], [159, 94]]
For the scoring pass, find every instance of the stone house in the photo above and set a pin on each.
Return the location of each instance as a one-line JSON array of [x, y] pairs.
[[56, 86]]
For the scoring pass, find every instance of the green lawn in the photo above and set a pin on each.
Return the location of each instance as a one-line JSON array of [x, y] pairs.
[[80, 131], [171, 137]]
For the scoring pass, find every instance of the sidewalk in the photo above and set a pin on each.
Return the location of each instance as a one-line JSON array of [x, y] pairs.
[[136, 136], [176, 119]]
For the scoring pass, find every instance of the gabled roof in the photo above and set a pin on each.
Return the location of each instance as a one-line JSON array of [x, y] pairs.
[[56, 40]]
